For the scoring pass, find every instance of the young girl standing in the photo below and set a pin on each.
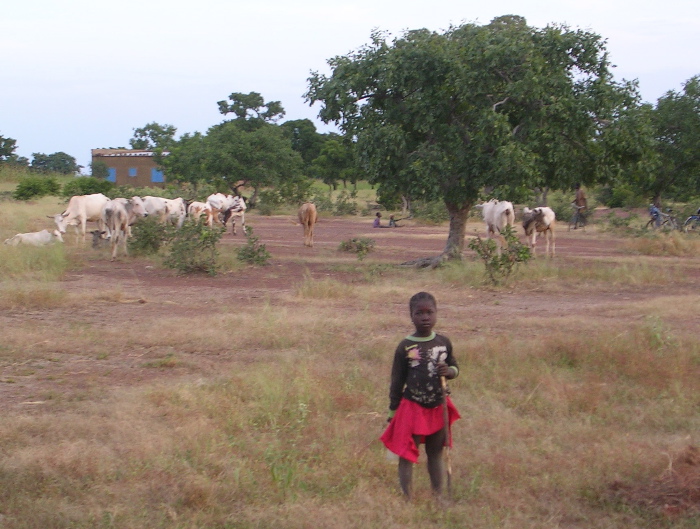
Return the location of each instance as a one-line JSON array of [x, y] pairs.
[[416, 413]]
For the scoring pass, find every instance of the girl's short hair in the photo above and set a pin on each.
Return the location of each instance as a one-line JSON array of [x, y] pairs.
[[421, 296]]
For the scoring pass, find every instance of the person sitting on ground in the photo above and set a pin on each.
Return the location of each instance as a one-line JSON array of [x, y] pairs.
[[377, 221], [392, 222]]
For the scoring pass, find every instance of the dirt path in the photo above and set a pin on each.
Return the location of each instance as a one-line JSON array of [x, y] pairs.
[[137, 292]]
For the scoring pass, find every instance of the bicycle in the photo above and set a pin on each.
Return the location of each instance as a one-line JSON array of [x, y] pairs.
[[661, 220], [692, 222], [579, 218]]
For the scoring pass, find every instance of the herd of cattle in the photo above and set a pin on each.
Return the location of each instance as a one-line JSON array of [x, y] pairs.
[[114, 218]]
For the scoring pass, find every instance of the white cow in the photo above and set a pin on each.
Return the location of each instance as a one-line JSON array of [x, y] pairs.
[[536, 221], [81, 208], [197, 210], [176, 211], [136, 211], [36, 238], [237, 209], [117, 221], [228, 206], [156, 206], [497, 215]]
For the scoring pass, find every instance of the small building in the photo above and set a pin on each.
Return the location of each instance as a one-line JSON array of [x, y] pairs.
[[130, 167]]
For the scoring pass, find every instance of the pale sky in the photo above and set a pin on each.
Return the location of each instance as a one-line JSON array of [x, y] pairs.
[[82, 74]]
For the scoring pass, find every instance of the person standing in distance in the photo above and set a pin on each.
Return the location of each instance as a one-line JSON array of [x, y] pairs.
[[415, 396]]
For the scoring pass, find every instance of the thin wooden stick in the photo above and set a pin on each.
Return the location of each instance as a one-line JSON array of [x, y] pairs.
[[448, 436]]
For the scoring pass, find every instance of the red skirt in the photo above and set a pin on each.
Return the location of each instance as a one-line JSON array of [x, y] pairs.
[[413, 419]]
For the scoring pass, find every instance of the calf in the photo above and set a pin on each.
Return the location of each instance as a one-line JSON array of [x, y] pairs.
[[36, 238], [536, 221], [307, 218]]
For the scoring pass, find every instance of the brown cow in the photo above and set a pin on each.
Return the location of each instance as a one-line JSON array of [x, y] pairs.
[[307, 218]]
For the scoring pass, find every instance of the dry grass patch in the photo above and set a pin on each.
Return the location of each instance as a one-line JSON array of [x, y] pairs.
[[672, 244]]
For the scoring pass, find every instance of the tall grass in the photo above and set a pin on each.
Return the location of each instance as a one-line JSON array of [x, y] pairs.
[[266, 411]]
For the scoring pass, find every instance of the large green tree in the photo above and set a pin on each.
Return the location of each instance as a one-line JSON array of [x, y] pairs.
[[676, 123], [153, 136], [336, 162], [58, 162], [249, 150], [306, 140], [442, 115]]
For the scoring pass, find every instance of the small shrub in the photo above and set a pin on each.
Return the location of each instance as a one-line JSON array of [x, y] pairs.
[[359, 245], [86, 185], [323, 202], [253, 252], [344, 205], [36, 187], [193, 248], [500, 267], [148, 236]]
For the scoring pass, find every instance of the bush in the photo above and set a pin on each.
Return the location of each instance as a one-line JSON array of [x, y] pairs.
[[148, 236], [36, 187], [500, 267], [253, 252], [86, 185], [359, 245], [434, 211], [269, 201], [343, 205], [193, 248]]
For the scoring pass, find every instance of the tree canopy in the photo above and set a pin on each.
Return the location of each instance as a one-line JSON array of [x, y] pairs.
[[153, 136], [504, 105], [58, 162]]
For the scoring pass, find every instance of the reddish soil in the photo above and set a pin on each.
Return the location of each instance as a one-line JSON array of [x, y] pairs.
[[28, 386]]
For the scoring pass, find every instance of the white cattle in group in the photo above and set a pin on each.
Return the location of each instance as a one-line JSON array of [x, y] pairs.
[[117, 221], [536, 221], [497, 215], [35, 238], [81, 208], [307, 218], [156, 206], [236, 210], [197, 210], [176, 211], [228, 207], [136, 211]]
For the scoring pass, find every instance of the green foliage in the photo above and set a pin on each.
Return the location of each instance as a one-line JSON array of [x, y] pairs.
[[148, 236], [153, 136], [193, 248], [35, 187], [86, 185], [358, 245], [620, 196], [442, 115], [268, 201], [499, 267], [344, 205], [58, 162], [253, 252], [433, 211], [99, 169]]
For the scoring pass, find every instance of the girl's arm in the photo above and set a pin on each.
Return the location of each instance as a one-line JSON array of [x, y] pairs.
[[399, 373]]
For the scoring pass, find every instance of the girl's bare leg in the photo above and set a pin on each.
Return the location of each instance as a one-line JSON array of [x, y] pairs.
[[405, 476]]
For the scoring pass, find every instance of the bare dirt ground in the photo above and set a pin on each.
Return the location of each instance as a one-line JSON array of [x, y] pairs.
[[137, 292]]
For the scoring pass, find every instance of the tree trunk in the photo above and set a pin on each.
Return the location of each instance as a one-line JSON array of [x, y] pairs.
[[455, 239], [459, 213], [405, 206]]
